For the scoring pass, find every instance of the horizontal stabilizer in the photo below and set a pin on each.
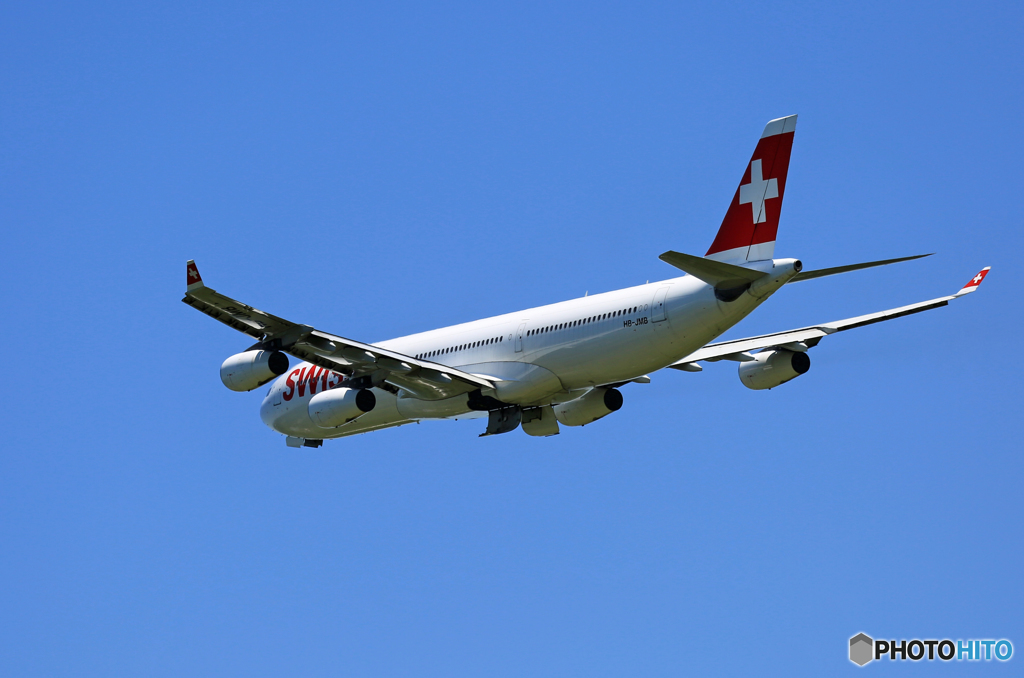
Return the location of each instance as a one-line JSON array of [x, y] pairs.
[[822, 272], [715, 273]]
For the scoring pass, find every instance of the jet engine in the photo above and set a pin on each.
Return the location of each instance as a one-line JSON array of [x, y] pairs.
[[588, 408], [252, 369], [331, 409], [773, 368]]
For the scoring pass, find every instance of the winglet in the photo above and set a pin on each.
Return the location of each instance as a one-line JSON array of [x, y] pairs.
[[975, 282], [193, 280]]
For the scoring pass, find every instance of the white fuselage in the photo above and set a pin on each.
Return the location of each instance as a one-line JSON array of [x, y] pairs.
[[548, 354]]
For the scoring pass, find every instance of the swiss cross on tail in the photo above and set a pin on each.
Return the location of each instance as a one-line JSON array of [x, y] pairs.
[[974, 282], [192, 278], [752, 220]]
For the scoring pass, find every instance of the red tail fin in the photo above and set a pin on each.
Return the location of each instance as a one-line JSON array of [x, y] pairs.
[[749, 228], [192, 278]]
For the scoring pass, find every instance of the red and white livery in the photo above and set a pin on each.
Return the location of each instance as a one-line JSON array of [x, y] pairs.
[[552, 366]]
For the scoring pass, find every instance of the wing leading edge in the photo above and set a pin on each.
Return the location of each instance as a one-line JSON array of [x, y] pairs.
[[807, 337], [420, 378]]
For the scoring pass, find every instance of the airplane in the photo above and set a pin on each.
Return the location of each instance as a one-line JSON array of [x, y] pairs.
[[551, 366]]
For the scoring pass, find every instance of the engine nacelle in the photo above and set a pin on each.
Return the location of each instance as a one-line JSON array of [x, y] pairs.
[[599, 402], [331, 409], [252, 369], [769, 369]]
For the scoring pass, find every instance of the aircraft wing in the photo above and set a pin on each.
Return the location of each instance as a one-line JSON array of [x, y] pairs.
[[807, 337], [421, 378]]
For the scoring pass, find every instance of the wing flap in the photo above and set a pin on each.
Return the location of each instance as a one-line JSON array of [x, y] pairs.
[[808, 337], [720, 351]]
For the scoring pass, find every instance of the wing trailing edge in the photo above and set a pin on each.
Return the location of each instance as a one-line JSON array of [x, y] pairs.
[[421, 378], [807, 337]]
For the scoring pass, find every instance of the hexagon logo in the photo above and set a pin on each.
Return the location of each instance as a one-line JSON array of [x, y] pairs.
[[861, 649]]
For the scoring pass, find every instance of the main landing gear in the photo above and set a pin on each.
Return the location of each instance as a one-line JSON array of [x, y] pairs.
[[503, 420]]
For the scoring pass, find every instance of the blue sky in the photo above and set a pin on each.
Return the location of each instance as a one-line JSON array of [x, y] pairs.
[[378, 172]]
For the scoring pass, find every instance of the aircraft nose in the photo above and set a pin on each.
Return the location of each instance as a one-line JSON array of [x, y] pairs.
[[268, 412]]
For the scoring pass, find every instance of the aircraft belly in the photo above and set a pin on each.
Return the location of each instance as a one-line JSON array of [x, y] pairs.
[[611, 356], [520, 383], [693, 317], [294, 419]]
